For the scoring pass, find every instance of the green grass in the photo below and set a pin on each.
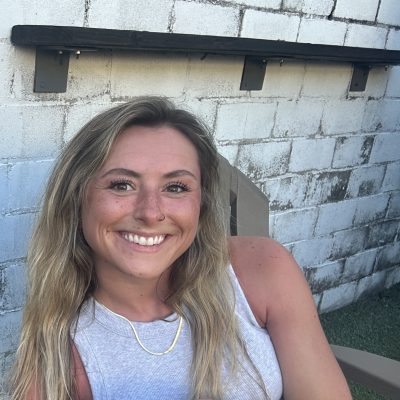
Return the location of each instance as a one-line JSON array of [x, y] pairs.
[[372, 324]]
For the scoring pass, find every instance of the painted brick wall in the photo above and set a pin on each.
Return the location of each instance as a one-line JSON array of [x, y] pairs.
[[328, 158]]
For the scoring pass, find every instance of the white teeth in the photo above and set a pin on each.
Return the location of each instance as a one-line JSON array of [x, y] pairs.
[[143, 241]]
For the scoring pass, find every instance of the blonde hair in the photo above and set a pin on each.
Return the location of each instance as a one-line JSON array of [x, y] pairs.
[[61, 273]]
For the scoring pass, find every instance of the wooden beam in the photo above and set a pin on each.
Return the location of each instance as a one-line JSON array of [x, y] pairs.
[[64, 37]]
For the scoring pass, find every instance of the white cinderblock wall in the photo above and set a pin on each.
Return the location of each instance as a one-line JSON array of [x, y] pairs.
[[328, 159]]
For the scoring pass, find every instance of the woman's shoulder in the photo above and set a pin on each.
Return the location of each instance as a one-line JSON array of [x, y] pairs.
[[261, 256], [265, 270]]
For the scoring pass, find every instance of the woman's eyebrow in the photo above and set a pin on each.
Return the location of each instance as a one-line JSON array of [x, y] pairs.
[[121, 171], [134, 174]]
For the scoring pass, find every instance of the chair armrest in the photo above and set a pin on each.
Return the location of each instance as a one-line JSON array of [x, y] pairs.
[[375, 372]]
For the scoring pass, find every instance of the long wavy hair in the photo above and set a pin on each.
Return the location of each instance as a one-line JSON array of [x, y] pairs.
[[61, 272]]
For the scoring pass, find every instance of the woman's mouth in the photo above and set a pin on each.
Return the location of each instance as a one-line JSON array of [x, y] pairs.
[[143, 240]]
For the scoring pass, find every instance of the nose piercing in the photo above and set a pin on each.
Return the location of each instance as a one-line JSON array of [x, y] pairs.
[[162, 217]]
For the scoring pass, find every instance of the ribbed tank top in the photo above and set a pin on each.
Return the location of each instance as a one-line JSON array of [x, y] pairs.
[[118, 368]]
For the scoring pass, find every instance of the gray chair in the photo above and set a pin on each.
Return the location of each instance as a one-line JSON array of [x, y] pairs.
[[246, 208]]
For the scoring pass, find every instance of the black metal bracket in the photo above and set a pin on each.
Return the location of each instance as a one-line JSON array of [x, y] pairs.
[[51, 71], [359, 77], [54, 44], [253, 73]]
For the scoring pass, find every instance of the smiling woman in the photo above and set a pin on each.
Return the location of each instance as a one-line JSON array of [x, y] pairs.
[[136, 292]]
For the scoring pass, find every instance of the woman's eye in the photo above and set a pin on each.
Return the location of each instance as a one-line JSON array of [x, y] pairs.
[[177, 188], [121, 186]]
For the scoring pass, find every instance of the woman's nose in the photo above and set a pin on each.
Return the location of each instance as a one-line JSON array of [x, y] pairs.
[[147, 207]]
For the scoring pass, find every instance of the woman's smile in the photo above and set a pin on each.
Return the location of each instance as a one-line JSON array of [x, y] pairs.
[[143, 240]]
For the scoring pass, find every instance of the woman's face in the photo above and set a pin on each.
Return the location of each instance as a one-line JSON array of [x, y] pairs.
[[142, 207]]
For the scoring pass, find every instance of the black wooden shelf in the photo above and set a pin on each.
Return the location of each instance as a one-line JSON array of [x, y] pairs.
[[54, 44]]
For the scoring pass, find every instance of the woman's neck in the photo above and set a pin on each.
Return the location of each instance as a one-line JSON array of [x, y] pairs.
[[137, 301]]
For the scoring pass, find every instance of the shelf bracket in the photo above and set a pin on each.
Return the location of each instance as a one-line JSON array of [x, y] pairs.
[[253, 73], [51, 70], [359, 78]]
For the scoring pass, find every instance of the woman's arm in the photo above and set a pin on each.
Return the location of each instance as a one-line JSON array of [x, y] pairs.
[[282, 302], [82, 385]]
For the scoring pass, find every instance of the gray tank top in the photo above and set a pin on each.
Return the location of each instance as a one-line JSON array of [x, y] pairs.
[[118, 368]]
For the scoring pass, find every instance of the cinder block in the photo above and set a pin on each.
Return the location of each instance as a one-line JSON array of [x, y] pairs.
[[245, 120], [269, 4], [148, 74], [338, 297], [89, 76], [389, 12], [205, 19], [394, 206], [283, 79], [42, 130], [364, 10], [392, 277], [26, 182], [382, 233], [386, 148], [30, 131], [322, 7], [229, 151], [391, 181], [310, 154], [348, 242], [343, 116], [70, 12], [381, 115], [6, 71], [322, 31], [294, 225], [4, 194], [6, 362], [286, 193], [371, 208], [393, 41], [12, 287], [205, 109], [14, 233], [298, 118], [77, 115], [365, 181], [312, 252], [141, 15], [326, 187], [326, 80], [393, 85], [324, 276], [9, 333], [12, 13], [22, 63], [388, 256], [11, 128], [352, 150], [370, 285], [359, 265], [335, 217], [262, 160], [262, 25], [366, 36], [213, 77]]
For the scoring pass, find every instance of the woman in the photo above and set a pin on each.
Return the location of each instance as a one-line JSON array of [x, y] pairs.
[[135, 291]]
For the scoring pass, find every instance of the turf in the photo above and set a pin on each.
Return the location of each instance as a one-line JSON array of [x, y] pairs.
[[372, 325]]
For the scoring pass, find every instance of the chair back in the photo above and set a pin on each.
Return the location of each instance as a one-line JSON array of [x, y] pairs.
[[245, 206]]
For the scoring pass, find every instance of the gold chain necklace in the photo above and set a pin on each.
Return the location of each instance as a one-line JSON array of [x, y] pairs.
[[170, 348]]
